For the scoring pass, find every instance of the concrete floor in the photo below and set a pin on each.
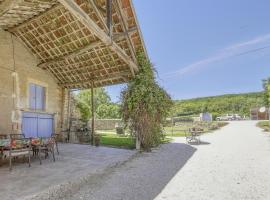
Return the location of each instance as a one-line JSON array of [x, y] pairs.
[[75, 165]]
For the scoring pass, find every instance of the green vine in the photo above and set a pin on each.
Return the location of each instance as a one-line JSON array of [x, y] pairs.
[[145, 105]]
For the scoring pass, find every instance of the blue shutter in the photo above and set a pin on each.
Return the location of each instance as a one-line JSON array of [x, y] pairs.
[[45, 125], [36, 97], [40, 94], [37, 125], [30, 125], [32, 96]]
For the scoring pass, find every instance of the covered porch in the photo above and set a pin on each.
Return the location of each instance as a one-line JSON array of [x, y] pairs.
[[81, 44], [75, 166], [49, 48]]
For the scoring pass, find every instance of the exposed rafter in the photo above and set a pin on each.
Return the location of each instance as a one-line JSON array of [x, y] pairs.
[[100, 17], [71, 55], [54, 7], [7, 5], [76, 10], [123, 21], [122, 35], [116, 75]]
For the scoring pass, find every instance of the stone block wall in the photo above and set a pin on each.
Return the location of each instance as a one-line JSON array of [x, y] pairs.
[[18, 67]]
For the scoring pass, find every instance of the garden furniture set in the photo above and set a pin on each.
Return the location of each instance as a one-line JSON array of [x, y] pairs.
[[193, 135], [13, 146]]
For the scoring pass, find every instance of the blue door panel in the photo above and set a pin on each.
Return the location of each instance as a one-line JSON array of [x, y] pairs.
[[45, 116], [29, 127], [37, 125], [30, 115], [45, 126]]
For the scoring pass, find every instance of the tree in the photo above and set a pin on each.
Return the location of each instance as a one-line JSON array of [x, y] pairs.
[[145, 105], [108, 111], [83, 99], [266, 95]]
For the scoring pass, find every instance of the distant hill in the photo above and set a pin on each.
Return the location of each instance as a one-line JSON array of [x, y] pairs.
[[218, 105]]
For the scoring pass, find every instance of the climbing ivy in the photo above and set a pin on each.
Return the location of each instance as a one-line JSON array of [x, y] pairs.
[[145, 105]]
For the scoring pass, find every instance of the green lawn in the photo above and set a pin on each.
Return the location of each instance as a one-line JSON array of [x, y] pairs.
[[179, 131], [121, 141], [174, 131], [265, 125]]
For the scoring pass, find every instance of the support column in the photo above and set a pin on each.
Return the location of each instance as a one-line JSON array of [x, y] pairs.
[[138, 143], [109, 16], [93, 115], [69, 115]]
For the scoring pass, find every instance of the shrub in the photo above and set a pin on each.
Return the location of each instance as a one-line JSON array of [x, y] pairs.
[[145, 105], [120, 130]]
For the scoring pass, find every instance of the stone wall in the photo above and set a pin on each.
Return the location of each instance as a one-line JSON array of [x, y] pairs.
[[107, 124], [18, 67]]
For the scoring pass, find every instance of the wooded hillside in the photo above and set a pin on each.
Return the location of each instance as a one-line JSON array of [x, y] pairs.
[[218, 105]]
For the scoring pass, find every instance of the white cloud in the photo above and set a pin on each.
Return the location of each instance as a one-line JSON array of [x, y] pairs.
[[230, 51]]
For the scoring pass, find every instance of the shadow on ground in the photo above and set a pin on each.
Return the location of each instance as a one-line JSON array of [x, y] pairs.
[[201, 143], [142, 178]]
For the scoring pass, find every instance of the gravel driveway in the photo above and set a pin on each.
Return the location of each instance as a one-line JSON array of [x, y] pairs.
[[232, 164]]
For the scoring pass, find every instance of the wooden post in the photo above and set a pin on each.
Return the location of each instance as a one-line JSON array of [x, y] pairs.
[[93, 115], [138, 143], [109, 16], [69, 115]]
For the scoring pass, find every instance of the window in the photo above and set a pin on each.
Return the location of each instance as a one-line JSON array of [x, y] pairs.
[[36, 97]]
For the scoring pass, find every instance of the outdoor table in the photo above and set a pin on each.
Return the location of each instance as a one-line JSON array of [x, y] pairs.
[[43, 144], [194, 135]]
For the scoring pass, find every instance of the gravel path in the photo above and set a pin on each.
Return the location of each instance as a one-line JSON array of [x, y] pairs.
[[232, 163]]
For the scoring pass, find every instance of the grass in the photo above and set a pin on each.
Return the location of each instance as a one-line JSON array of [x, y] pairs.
[[120, 141], [265, 125], [110, 138], [179, 131]]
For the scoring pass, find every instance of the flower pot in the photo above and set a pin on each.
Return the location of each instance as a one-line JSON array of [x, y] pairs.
[[97, 140]]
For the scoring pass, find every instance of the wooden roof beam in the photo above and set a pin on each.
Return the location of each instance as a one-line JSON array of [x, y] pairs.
[[99, 14], [123, 21], [123, 35], [8, 5], [76, 10], [71, 55], [113, 76]]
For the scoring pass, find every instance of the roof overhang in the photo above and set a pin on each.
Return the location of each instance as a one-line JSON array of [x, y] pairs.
[[71, 40]]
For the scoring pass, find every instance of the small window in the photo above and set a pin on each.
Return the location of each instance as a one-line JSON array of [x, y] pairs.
[[36, 97]]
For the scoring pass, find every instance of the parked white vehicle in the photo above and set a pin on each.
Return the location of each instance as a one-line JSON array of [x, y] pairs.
[[227, 117], [237, 117]]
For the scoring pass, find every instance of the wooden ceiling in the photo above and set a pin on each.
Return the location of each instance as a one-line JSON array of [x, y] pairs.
[[71, 40]]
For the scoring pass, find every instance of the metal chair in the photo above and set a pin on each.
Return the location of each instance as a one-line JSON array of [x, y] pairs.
[[19, 147], [56, 136], [46, 146]]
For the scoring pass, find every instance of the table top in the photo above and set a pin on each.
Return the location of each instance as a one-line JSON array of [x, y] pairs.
[[4, 142]]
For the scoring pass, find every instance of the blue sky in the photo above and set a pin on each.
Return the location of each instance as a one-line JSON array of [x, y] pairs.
[[205, 48]]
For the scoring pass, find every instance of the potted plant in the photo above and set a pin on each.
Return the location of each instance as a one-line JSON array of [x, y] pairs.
[[97, 140]]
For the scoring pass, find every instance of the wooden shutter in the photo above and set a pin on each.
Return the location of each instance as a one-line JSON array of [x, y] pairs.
[[32, 96]]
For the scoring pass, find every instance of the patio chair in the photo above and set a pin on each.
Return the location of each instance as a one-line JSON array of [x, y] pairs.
[[19, 147], [44, 145], [4, 143], [56, 137], [193, 135]]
